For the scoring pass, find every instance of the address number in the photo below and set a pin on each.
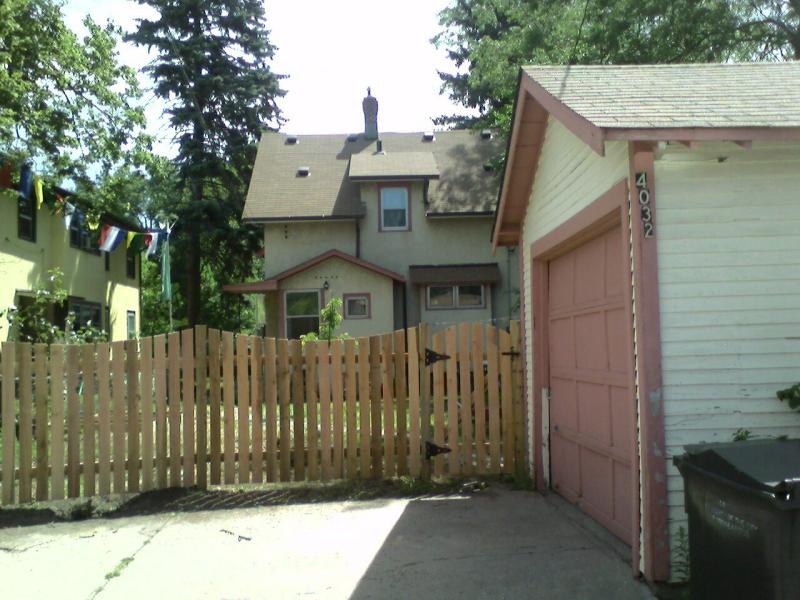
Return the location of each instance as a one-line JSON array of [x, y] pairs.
[[645, 207]]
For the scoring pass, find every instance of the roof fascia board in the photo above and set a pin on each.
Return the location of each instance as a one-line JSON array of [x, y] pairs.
[[591, 134], [338, 254], [278, 220], [392, 177], [704, 134]]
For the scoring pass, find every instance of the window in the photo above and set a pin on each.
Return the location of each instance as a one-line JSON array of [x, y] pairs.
[[87, 314], [130, 263], [131, 324], [26, 218], [357, 306], [468, 295], [80, 237], [394, 209], [107, 259], [302, 313]]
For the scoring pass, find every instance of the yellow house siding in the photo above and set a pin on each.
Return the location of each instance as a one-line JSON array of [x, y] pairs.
[[729, 273], [570, 175], [346, 278], [24, 264]]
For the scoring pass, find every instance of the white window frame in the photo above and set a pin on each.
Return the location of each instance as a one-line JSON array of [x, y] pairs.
[[456, 301], [286, 315], [405, 189]]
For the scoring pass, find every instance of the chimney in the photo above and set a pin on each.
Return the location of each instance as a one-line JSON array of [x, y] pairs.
[[370, 105]]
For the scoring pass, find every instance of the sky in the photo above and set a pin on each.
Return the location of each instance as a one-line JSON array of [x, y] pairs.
[[331, 51]]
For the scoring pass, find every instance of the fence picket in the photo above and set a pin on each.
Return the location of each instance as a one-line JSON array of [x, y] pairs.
[[479, 395], [118, 414], [9, 414], [147, 413], [188, 418], [174, 406], [387, 387], [42, 429], [375, 447], [103, 418], [215, 418], [298, 408], [89, 389], [133, 417], [201, 405], [242, 403], [413, 403], [401, 399], [438, 402], [271, 397], [73, 424], [506, 404], [453, 458], [160, 360], [25, 424], [425, 399], [337, 389], [518, 411], [465, 394], [58, 418], [493, 385], [284, 400], [256, 406], [229, 393], [310, 356], [323, 356], [364, 406], [351, 390]]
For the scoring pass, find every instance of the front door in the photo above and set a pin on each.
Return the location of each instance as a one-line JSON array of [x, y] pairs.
[[591, 396]]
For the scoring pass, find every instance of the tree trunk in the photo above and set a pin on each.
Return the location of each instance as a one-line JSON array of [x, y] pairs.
[[193, 290]]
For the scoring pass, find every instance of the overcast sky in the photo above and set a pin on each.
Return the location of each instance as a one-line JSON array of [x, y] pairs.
[[331, 52]]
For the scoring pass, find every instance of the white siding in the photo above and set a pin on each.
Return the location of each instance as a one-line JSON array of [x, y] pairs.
[[729, 277], [569, 177]]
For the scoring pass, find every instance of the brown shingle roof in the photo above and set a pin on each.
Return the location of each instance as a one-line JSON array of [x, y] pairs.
[[393, 165], [277, 192], [691, 95]]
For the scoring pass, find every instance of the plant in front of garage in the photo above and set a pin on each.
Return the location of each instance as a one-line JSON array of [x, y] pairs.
[[330, 317]]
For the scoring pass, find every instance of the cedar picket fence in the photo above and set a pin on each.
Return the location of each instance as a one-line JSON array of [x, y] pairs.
[[201, 407]]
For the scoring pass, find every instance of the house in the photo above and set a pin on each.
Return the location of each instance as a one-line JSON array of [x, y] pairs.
[[656, 210], [397, 225], [103, 286]]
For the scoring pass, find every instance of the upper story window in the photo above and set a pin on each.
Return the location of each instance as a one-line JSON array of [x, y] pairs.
[[26, 218], [456, 296], [80, 237], [394, 213]]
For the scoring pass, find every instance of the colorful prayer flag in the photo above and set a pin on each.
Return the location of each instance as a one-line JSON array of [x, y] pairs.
[[151, 240], [37, 188], [135, 242], [111, 237], [131, 235]]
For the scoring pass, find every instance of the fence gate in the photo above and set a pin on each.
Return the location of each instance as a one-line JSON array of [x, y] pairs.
[[201, 407]]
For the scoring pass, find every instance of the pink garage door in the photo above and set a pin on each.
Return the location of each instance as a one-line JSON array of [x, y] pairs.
[[591, 412]]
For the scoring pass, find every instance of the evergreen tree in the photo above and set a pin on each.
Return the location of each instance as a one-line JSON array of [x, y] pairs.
[[212, 70]]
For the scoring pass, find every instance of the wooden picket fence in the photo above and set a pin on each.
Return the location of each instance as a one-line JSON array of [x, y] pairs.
[[201, 407]]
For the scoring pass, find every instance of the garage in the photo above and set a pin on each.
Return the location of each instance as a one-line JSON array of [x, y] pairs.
[[591, 396]]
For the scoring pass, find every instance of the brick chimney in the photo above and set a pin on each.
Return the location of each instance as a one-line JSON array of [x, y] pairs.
[[370, 105]]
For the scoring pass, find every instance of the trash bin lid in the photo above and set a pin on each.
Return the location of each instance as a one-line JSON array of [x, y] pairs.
[[767, 466]]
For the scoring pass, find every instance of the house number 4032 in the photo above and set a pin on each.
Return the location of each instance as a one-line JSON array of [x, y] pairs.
[[644, 205]]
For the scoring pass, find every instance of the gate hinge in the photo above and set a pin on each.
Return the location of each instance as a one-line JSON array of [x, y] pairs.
[[511, 353], [432, 356]]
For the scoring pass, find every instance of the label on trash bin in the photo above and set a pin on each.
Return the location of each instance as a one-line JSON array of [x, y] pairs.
[[719, 513]]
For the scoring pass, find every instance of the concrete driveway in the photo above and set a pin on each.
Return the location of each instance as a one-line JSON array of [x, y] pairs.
[[496, 543]]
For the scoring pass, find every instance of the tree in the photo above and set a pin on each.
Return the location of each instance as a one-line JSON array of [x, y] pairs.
[[770, 28], [488, 40], [212, 70], [63, 101]]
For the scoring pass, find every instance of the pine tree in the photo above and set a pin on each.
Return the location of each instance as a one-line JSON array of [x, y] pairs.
[[212, 69]]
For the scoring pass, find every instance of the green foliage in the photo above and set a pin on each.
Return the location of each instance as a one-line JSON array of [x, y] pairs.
[[212, 70], [32, 323], [330, 317], [488, 40], [64, 101], [680, 564], [741, 435], [791, 396]]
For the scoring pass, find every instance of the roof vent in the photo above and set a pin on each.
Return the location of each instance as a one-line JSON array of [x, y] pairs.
[[292, 140], [353, 137], [488, 167], [303, 171], [379, 147], [428, 136], [486, 134]]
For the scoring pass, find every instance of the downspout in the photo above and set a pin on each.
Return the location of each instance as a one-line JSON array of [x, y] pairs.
[[509, 250], [405, 306]]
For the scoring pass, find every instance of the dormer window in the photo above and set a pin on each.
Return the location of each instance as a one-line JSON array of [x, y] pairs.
[[394, 214]]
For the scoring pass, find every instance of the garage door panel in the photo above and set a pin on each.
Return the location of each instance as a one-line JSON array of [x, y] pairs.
[[564, 411], [563, 356], [591, 410], [590, 341], [594, 419], [564, 460]]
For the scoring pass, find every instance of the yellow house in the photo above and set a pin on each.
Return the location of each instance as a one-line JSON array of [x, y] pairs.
[[103, 287], [397, 225]]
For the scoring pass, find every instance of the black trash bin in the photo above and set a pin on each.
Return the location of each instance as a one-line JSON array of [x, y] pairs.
[[743, 502]]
